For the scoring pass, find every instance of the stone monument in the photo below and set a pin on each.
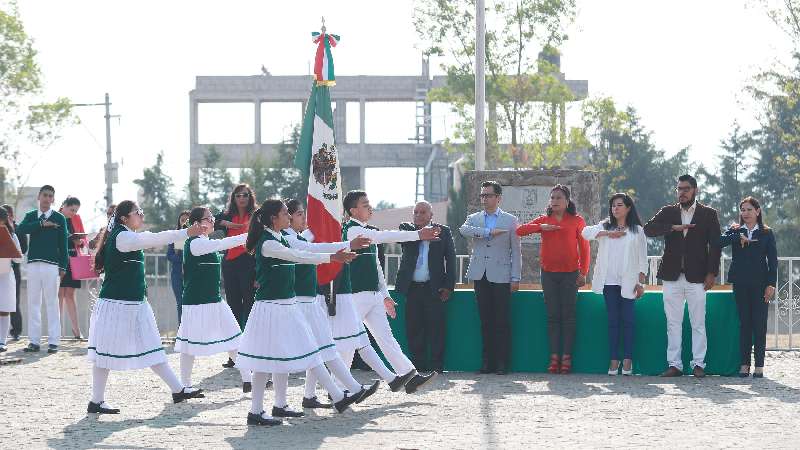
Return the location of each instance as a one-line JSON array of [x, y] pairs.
[[526, 194]]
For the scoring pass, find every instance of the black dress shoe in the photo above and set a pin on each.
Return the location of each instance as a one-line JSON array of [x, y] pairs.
[[314, 403], [758, 374], [3, 348], [501, 370], [400, 381], [183, 395], [286, 412], [258, 419], [229, 365], [744, 374], [52, 348], [698, 372], [98, 408], [671, 371], [366, 393], [418, 381], [345, 403], [32, 348], [486, 368], [15, 338]]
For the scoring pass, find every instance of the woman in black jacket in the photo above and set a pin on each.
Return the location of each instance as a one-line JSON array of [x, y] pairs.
[[753, 272]]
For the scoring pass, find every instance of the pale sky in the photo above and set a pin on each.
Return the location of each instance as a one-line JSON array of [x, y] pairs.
[[682, 64]]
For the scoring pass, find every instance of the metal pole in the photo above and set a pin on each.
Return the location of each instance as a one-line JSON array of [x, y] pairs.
[[480, 86], [109, 167]]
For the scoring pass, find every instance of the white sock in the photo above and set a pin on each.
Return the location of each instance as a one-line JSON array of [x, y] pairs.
[[347, 358], [5, 325], [327, 382], [259, 385], [343, 375], [280, 382], [187, 361], [99, 380], [374, 361], [163, 370], [311, 385]]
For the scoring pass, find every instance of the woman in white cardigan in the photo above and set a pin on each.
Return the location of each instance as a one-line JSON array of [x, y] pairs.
[[619, 274]]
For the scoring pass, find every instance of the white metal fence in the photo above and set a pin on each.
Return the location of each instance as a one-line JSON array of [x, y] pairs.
[[783, 329]]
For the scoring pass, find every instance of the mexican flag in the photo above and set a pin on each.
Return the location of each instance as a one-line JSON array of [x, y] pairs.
[[317, 158]]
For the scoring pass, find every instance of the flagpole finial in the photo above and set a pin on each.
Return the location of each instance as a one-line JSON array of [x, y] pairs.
[[323, 25]]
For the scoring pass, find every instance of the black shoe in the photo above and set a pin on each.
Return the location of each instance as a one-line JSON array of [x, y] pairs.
[[345, 403], [286, 412], [418, 381], [52, 348], [758, 374], [32, 348], [366, 393], [98, 408], [400, 381], [247, 387], [268, 385], [258, 419], [3, 348], [15, 338], [501, 370], [744, 374], [486, 368], [229, 365], [314, 403], [183, 395]]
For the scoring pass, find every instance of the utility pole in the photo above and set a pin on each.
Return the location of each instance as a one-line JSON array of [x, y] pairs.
[[110, 168], [480, 85]]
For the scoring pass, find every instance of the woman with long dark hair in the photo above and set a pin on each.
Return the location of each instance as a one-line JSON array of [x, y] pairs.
[[207, 325], [277, 339], [123, 334], [619, 274], [238, 266], [8, 286], [66, 290], [754, 274], [564, 256], [175, 258]]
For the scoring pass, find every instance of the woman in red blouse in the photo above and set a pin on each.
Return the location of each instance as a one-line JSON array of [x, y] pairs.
[[564, 258]]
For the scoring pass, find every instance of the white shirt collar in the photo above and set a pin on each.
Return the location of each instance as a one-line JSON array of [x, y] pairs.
[[290, 231], [276, 234], [496, 212], [363, 224], [47, 213], [690, 209]]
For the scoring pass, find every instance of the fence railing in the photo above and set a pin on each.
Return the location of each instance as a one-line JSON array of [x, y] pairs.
[[783, 323]]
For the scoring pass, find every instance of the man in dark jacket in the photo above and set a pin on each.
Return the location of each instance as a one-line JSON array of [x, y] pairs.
[[688, 269], [427, 278]]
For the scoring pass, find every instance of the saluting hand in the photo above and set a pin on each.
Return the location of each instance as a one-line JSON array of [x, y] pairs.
[[48, 224], [195, 230], [549, 227], [682, 227], [497, 231], [343, 256], [429, 233], [360, 242]]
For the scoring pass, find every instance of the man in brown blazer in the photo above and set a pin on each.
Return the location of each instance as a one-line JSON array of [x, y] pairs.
[[688, 268]]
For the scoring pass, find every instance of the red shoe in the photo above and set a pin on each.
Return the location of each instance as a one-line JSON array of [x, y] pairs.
[[553, 367], [566, 364]]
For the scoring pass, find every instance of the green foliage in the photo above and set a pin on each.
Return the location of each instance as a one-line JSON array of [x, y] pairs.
[[278, 178], [383, 204], [726, 186], [157, 202], [216, 183]]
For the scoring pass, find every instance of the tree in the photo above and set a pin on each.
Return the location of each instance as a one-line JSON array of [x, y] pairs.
[[216, 183], [383, 204], [277, 178], [157, 203], [729, 184], [522, 91], [25, 117]]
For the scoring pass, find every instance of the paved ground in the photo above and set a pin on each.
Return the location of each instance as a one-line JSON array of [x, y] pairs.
[[43, 402]]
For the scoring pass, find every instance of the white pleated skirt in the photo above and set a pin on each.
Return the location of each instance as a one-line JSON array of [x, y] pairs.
[[348, 330], [207, 329], [123, 335], [8, 292], [278, 339], [316, 314]]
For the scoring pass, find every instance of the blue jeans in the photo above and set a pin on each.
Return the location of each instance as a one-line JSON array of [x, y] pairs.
[[620, 314], [177, 289]]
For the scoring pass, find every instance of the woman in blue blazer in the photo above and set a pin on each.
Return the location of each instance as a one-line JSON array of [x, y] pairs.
[[753, 272]]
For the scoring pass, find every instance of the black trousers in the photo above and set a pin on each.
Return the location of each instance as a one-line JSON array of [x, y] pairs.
[[560, 294], [753, 321], [16, 316], [238, 277], [425, 326], [494, 304]]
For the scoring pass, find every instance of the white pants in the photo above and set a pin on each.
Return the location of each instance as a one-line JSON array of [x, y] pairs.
[[43, 281], [676, 294], [370, 309]]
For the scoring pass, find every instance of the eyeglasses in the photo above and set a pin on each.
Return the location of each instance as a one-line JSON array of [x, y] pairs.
[[209, 218], [242, 195], [683, 189], [139, 212], [485, 195]]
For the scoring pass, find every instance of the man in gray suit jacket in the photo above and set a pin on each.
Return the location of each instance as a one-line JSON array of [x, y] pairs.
[[494, 267]]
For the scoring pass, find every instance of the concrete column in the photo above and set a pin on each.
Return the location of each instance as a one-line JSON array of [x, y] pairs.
[[340, 122], [257, 128], [303, 111], [193, 129], [362, 112]]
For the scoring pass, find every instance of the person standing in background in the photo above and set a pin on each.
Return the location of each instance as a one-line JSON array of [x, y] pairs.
[[175, 258], [495, 268], [16, 316], [66, 290], [7, 283], [47, 264], [238, 266], [564, 256]]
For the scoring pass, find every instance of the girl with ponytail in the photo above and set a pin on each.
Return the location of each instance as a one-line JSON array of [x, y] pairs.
[[123, 334], [277, 338], [207, 325]]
